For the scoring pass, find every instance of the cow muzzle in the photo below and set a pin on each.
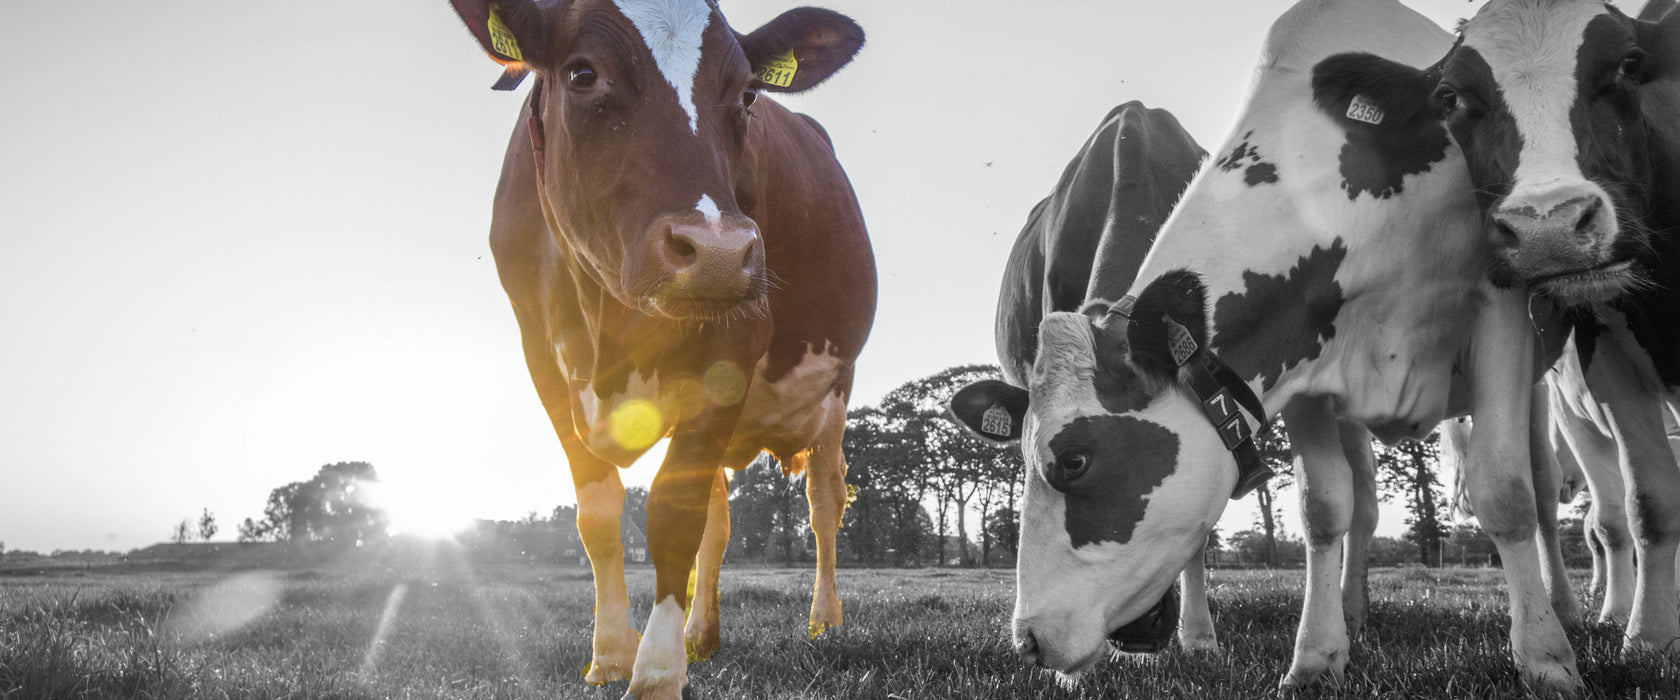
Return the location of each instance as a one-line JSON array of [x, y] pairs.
[[1151, 632], [705, 269], [1562, 240]]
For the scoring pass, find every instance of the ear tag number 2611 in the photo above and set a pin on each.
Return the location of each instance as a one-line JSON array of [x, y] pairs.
[[779, 71]]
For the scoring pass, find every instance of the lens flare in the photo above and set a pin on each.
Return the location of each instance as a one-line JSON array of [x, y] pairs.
[[636, 424]]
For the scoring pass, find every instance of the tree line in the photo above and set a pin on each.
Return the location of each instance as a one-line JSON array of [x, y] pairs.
[[921, 492]]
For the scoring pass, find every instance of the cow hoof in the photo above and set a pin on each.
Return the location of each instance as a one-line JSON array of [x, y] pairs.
[[615, 656], [1301, 675], [823, 616], [1555, 686], [687, 694], [1640, 646], [701, 646], [1200, 643], [669, 689]]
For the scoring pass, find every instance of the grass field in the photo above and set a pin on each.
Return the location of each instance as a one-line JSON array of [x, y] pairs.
[[523, 632]]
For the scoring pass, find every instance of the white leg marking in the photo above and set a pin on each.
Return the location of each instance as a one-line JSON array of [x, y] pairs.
[[661, 664], [673, 31]]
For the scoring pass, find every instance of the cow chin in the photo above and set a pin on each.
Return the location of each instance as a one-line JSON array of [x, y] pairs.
[[752, 302]]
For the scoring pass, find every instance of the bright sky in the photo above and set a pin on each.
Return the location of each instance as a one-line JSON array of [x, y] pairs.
[[242, 240]]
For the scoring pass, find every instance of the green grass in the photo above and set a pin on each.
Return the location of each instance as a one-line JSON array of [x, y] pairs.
[[523, 632]]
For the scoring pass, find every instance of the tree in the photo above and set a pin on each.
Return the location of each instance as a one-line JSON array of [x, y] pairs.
[[250, 531], [206, 525], [960, 466], [1275, 452], [767, 512], [1409, 470], [886, 521], [332, 507], [181, 532]]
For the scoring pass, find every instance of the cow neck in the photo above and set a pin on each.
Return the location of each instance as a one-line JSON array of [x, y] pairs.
[[1223, 397], [534, 126]]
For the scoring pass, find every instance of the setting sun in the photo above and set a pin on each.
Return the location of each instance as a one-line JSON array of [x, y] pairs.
[[426, 509]]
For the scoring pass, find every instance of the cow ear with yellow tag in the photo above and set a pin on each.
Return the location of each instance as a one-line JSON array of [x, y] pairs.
[[801, 48], [513, 32], [992, 410]]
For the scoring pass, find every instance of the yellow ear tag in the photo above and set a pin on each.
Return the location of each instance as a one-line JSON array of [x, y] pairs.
[[779, 71], [501, 38]]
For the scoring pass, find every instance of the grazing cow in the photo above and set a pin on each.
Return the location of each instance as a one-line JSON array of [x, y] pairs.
[[684, 258], [1566, 112], [1334, 240], [1086, 241]]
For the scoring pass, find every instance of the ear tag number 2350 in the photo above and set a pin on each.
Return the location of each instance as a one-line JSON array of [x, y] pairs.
[[779, 71]]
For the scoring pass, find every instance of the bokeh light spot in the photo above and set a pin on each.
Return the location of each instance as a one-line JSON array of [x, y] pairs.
[[636, 424], [726, 385]]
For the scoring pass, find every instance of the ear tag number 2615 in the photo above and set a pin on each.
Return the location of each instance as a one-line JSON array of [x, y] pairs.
[[779, 71]]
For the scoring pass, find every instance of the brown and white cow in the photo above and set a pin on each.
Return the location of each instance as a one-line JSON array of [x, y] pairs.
[[1568, 112], [1327, 260], [685, 258]]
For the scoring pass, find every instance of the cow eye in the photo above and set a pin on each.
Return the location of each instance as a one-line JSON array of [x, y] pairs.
[[581, 76], [1073, 464], [748, 98], [1632, 65], [1447, 98]]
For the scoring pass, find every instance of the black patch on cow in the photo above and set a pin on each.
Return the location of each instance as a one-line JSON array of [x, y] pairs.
[[1486, 132], [1246, 157], [1410, 138], [1179, 296], [1281, 320], [1260, 174], [1130, 458], [1118, 387]]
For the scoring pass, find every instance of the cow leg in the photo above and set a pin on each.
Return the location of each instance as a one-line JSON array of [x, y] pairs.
[[1600, 461], [1590, 536], [600, 497], [1362, 460], [1195, 621], [679, 502], [1499, 480], [1622, 381], [825, 490], [700, 637], [1547, 478], [1326, 487]]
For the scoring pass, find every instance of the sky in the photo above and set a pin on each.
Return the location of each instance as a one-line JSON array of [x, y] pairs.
[[239, 241]]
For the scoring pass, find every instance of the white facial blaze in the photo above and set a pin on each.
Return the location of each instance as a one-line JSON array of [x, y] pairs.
[[673, 30], [709, 209], [1532, 51]]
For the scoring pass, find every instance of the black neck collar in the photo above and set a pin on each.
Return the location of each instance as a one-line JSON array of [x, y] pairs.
[[1224, 396]]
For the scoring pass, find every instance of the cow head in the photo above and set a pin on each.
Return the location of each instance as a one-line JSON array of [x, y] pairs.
[[639, 125], [1549, 102], [1125, 473]]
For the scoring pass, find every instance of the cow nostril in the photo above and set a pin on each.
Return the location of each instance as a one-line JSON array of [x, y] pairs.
[[1506, 235], [1027, 647], [1589, 215], [681, 249]]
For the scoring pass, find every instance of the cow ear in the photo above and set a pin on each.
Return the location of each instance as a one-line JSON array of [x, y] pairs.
[[1655, 10], [992, 410], [801, 48], [1169, 325], [511, 31], [1362, 88], [1661, 41]]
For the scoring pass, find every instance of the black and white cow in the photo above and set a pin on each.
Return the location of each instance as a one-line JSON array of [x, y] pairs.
[[1568, 112], [1330, 255], [1086, 241]]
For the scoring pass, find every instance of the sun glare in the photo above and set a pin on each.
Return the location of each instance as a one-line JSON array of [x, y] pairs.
[[425, 510]]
